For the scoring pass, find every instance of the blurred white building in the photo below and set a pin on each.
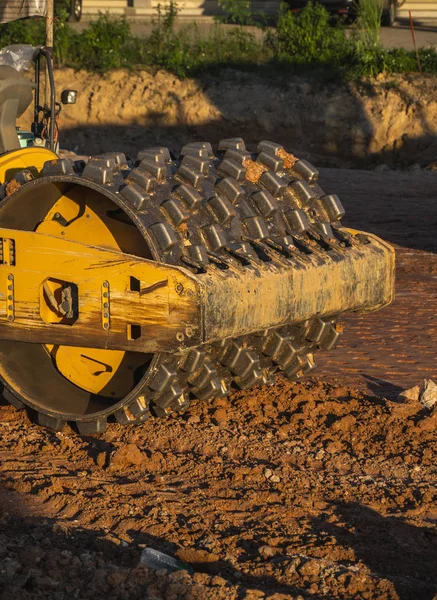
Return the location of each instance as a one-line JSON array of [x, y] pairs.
[[421, 9]]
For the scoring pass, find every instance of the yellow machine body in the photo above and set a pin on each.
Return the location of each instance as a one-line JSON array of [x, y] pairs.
[[33, 159], [114, 291]]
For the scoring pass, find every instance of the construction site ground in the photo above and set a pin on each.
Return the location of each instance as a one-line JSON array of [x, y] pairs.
[[325, 488]]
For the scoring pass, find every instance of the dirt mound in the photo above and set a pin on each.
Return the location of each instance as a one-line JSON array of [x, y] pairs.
[[391, 120], [305, 488]]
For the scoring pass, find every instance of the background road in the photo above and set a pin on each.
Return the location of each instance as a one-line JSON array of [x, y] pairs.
[[399, 36]]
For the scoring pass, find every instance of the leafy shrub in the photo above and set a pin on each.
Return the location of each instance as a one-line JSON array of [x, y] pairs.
[[306, 41], [308, 37], [399, 60], [163, 30], [32, 31], [101, 46], [25, 31], [428, 60], [235, 11], [165, 48], [66, 45]]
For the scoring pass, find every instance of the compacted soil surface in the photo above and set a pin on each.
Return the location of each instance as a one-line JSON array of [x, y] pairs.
[[309, 489], [323, 488]]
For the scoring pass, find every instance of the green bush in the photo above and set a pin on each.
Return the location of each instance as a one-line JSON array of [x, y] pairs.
[[66, 45], [428, 60], [101, 46], [25, 31], [235, 11], [32, 31], [307, 41], [308, 37], [165, 48]]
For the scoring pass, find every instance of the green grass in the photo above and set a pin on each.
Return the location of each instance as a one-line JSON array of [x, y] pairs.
[[305, 42]]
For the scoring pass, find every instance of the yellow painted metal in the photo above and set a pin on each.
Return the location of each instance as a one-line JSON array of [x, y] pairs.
[[10, 299], [8, 252], [68, 361], [50, 298], [357, 278], [84, 245], [155, 305], [15, 161], [86, 224], [95, 370], [90, 224], [352, 231], [85, 212]]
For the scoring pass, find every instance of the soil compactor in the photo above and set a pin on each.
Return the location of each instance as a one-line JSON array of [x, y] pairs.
[[129, 287]]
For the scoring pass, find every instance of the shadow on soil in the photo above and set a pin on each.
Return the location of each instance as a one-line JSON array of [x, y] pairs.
[[382, 388], [390, 547], [397, 206], [39, 544]]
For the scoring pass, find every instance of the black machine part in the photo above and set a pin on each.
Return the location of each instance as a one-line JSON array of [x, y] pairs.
[[45, 116]]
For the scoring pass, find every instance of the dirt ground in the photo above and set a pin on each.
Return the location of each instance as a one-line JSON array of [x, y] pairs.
[[324, 488]]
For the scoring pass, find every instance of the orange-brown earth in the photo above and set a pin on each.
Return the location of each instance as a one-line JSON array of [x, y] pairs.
[[391, 119], [324, 488]]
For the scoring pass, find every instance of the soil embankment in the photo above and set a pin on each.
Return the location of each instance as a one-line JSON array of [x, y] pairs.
[[392, 120]]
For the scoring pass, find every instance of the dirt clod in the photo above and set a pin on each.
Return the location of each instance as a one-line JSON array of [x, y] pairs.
[[288, 158], [193, 556], [425, 393], [428, 396], [126, 456], [267, 552], [254, 170], [410, 395]]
